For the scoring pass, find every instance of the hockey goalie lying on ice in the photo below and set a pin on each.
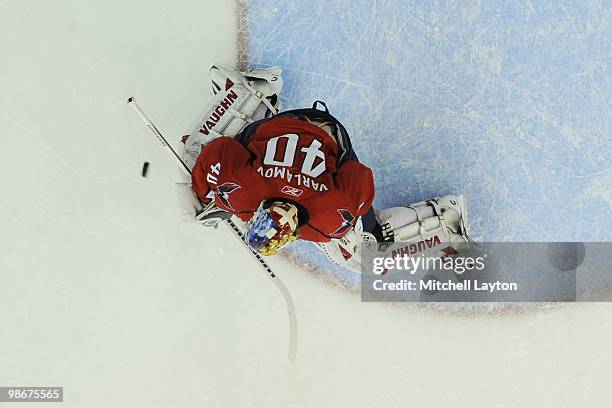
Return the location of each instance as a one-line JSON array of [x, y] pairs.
[[294, 175]]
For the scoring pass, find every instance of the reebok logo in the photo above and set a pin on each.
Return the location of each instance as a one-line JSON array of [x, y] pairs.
[[292, 191]]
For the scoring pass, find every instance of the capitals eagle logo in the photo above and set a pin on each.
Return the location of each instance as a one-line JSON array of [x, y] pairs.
[[348, 219], [223, 191]]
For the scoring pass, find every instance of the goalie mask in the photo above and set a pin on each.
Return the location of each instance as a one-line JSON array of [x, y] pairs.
[[273, 225]]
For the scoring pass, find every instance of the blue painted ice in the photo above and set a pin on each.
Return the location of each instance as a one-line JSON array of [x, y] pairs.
[[506, 102]]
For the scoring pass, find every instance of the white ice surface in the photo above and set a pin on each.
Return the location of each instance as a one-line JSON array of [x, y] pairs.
[[105, 292]]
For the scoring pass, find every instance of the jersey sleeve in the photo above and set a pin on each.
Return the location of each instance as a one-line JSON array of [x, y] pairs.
[[336, 214], [356, 182], [223, 169], [203, 173]]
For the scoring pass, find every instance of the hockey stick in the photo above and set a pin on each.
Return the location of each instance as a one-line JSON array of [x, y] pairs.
[[236, 231]]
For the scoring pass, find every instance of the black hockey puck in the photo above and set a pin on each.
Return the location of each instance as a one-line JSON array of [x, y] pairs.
[[145, 169]]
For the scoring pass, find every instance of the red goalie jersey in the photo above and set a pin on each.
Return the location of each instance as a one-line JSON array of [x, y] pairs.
[[291, 160]]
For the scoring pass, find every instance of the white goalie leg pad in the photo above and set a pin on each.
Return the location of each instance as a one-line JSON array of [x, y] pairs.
[[240, 99], [430, 224]]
